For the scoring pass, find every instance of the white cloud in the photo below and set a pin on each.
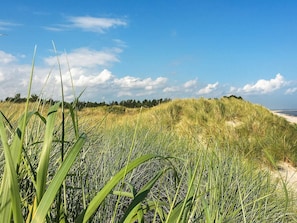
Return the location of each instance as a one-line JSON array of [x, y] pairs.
[[94, 24], [171, 89], [99, 79], [1, 76], [88, 69], [208, 89], [6, 58], [14, 77], [88, 23], [136, 82], [190, 83], [264, 86], [232, 89], [291, 90], [124, 93], [4, 25], [85, 57]]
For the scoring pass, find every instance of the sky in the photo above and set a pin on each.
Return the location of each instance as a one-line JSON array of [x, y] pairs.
[[113, 50]]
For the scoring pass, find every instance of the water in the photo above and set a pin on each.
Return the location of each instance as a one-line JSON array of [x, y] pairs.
[[288, 112]]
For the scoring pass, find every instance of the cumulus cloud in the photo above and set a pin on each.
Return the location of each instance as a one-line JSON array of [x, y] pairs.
[[136, 82], [291, 90], [208, 89], [84, 65], [85, 57], [99, 79], [6, 58], [264, 86], [88, 69], [171, 89], [14, 77], [88, 23], [190, 83]]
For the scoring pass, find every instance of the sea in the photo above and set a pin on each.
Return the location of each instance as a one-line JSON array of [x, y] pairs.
[[291, 112]]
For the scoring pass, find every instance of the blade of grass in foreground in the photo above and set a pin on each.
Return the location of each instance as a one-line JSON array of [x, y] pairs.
[[54, 186], [15, 150], [14, 194], [134, 208], [42, 170], [102, 194]]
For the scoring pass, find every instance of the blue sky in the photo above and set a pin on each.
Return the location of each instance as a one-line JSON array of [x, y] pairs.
[[118, 50]]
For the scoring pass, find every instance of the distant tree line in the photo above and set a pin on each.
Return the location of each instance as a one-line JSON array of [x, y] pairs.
[[82, 104], [234, 96]]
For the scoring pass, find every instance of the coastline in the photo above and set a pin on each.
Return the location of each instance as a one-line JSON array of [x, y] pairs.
[[289, 118]]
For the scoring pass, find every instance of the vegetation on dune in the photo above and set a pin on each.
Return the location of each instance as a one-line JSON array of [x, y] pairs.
[[202, 168], [228, 123]]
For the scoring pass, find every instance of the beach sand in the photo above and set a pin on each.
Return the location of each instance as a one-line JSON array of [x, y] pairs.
[[286, 170], [292, 119]]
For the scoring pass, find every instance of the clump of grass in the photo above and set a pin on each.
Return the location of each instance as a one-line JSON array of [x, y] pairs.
[[205, 184]]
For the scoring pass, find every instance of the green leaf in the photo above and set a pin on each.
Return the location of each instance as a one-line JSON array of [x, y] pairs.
[[15, 150], [133, 208], [102, 194], [42, 170], [11, 183], [178, 210], [56, 183]]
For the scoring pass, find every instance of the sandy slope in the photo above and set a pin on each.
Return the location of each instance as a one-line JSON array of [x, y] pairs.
[[286, 170]]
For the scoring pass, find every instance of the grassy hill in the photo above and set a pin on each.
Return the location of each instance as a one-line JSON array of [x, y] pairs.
[[191, 160], [226, 123]]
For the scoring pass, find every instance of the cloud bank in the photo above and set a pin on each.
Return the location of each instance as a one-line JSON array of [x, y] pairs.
[[89, 70]]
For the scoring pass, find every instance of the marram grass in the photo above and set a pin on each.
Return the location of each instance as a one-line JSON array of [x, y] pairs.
[[194, 184]]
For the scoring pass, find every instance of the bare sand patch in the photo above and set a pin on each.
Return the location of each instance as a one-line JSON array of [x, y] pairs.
[[288, 173]]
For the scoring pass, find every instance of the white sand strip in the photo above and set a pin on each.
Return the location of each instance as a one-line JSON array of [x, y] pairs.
[[292, 119]]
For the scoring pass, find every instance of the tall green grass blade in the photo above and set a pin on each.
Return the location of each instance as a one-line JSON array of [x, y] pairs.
[[53, 188], [177, 212], [174, 209], [42, 170], [134, 208], [18, 138], [101, 195], [15, 150], [12, 184], [241, 203], [63, 131], [189, 194]]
